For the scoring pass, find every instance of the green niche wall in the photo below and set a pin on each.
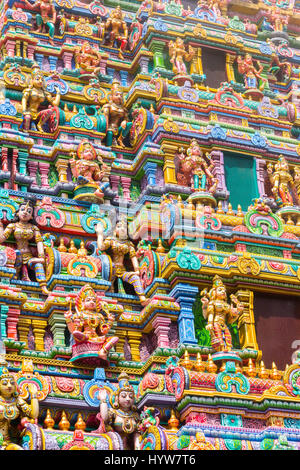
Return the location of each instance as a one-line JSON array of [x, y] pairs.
[[241, 181]]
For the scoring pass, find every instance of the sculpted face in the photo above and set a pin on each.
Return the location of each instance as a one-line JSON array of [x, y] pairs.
[[121, 230], [25, 213], [87, 152], [38, 80], [90, 302], [126, 400], [7, 387], [117, 97], [221, 292]]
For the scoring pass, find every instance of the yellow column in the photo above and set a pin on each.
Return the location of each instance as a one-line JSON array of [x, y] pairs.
[[230, 58], [169, 165], [246, 321], [38, 327], [134, 338], [62, 167], [120, 344], [23, 329]]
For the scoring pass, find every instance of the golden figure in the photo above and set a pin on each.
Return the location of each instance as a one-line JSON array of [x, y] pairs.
[[24, 230], [116, 115], [195, 171], [33, 96], [89, 168], [219, 313], [87, 58], [297, 181], [251, 74], [116, 30], [122, 416], [88, 325], [12, 407], [178, 53], [281, 181], [119, 247]]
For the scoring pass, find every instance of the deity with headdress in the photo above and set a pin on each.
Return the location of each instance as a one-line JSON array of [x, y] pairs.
[[219, 313], [118, 412], [282, 181], [90, 324]]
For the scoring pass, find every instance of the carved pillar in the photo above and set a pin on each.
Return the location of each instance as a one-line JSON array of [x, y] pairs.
[[144, 64], [169, 165], [13, 185], [134, 338], [38, 328], [114, 182], [39, 58], [246, 321], [260, 174], [126, 183], [32, 168], [67, 60], [10, 48], [124, 77], [23, 329], [150, 171], [120, 344], [52, 62], [30, 51], [62, 168], [58, 325], [3, 316], [161, 329], [185, 294], [12, 321], [4, 163], [157, 47], [230, 58], [219, 171], [44, 171]]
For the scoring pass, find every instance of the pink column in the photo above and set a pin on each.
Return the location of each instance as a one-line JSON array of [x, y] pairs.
[[32, 168], [260, 173], [10, 48], [161, 329], [14, 169], [44, 171], [30, 51], [114, 181], [126, 183], [4, 163], [67, 59], [11, 322], [219, 171]]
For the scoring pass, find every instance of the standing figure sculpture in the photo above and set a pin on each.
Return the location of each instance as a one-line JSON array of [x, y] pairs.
[[13, 407], [88, 326], [45, 17], [122, 416], [281, 181], [178, 53], [120, 247], [87, 58], [24, 230], [116, 114], [252, 75], [195, 171], [116, 30], [90, 171], [33, 97], [219, 313]]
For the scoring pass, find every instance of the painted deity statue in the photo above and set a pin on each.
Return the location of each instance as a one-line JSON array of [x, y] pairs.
[[89, 168], [33, 97], [13, 407], [195, 171], [116, 30], [178, 54], [219, 313], [121, 248], [24, 230], [116, 115], [281, 181], [252, 74], [87, 58], [297, 181], [46, 16], [122, 417], [88, 325]]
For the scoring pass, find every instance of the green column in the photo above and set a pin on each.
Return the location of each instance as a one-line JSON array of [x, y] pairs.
[[58, 325], [157, 47]]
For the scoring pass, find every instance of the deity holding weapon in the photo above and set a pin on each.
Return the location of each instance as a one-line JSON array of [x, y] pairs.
[[120, 247], [122, 416], [178, 53], [116, 114], [281, 181], [219, 313], [24, 230], [12, 408], [88, 325], [116, 30], [45, 17], [89, 169], [32, 98], [252, 75]]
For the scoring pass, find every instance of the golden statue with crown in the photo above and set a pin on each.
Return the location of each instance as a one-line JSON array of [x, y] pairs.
[[89, 327], [219, 313], [282, 182]]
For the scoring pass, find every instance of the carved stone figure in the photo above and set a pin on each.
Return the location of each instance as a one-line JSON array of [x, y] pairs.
[[281, 181], [219, 313], [251, 73], [116, 30], [122, 416], [116, 114], [46, 15], [178, 54]]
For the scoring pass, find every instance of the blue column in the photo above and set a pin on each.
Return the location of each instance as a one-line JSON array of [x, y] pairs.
[[39, 58], [110, 72], [124, 76], [150, 171], [185, 295], [52, 61], [3, 316]]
